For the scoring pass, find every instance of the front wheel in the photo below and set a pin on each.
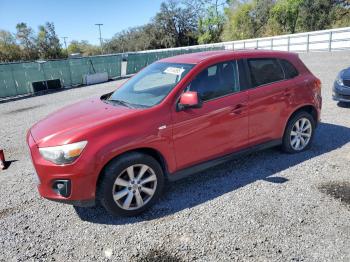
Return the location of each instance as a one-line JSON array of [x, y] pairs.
[[130, 184], [299, 133]]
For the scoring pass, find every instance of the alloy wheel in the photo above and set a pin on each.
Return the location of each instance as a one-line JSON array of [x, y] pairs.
[[134, 187], [301, 134]]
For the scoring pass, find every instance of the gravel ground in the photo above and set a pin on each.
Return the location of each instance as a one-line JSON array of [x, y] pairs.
[[268, 206]]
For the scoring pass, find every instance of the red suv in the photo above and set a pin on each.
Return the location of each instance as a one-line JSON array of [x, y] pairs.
[[176, 117]]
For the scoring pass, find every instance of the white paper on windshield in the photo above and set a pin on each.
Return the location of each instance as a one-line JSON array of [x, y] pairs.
[[174, 70]]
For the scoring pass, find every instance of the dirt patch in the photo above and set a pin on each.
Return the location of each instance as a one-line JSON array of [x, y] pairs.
[[157, 255], [22, 109], [338, 190], [6, 212]]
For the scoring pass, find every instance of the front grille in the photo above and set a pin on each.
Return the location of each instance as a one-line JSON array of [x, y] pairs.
[[347, 97], [346, 82]]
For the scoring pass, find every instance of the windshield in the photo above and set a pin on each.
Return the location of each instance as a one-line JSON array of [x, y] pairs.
[[151, 85]]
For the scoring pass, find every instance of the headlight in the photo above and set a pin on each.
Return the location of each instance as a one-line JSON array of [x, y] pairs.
[[65, 154], [339, 80]]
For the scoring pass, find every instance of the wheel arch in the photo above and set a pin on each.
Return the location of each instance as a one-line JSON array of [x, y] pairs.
[[311, 109], [143, 150]]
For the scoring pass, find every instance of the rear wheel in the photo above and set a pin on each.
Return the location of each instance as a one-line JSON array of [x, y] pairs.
[[299, 133], [130, 184]]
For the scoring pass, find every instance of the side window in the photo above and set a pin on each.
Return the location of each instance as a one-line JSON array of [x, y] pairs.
[[264, 71], [289, 70], [215, 81], [212, 70]]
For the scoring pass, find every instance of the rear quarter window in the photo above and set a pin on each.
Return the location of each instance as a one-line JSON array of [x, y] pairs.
[[264, 71], [289, 69]]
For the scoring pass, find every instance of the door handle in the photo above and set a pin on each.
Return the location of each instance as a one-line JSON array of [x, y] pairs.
[[287, 93], [237, 109]]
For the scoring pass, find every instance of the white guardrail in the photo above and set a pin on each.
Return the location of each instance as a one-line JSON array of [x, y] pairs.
[[324, 40]]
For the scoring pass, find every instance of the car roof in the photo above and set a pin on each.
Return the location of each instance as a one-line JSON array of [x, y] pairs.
[[195, 58]]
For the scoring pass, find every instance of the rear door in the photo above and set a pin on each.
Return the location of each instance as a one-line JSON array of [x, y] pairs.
[[268, 99]]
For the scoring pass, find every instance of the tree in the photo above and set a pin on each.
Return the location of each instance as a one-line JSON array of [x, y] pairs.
[[211, 25], [261, 14], [239, 23], [176, 24], [315, 14], [341, 13], [134, 39], [26, 38], [48, 43], [75, 47], [83, 47], [285, 15], [323, 14], [247, 19], [9, 50]]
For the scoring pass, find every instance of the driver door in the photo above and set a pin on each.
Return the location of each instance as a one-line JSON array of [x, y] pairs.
[[220, 126]]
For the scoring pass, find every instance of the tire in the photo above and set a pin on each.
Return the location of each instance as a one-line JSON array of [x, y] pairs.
[[289, 141], [121, 195]]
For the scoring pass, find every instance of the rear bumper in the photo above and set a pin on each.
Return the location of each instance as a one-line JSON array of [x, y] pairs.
[[82, 180]]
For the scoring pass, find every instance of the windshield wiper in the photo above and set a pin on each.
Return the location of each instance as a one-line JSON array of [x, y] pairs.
[[120, 102]]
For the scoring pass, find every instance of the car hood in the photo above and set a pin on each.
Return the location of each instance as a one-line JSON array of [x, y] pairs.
[[74, 121], [346, 73]]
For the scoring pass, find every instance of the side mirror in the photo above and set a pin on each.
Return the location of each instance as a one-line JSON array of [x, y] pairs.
[[188, 100]]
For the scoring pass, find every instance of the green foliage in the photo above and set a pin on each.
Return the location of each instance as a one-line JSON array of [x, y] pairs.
[[239, 24], [133, 39], [316, 14], [48, 42], [27, 41], [210, 27], [341, 14], [285, 15], [174, 25], [177, 25], [9, 50], [247, 19], [83, 48], [26, 45], [256, 18]]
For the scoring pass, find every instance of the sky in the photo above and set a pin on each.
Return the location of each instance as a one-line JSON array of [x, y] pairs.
[[76, 19]]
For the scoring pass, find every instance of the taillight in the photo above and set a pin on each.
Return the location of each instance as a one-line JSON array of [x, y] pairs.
[[318, 85], [317, 88]]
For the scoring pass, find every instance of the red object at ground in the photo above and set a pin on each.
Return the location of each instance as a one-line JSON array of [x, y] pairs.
[[2, 159]]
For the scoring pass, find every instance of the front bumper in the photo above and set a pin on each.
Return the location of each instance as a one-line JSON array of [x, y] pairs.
[[82, 180], [341, 93]]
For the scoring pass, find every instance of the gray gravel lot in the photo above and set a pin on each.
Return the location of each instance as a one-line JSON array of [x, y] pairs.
[[268, 206]]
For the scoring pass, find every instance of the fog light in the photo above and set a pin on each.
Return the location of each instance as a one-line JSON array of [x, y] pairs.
[[62, 187]]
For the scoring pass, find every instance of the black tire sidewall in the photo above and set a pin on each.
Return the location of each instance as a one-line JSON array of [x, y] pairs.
[[111, 172], [286, 146]]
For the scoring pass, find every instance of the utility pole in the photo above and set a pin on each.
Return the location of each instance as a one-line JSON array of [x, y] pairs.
[[99, 29], [65, 43]]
